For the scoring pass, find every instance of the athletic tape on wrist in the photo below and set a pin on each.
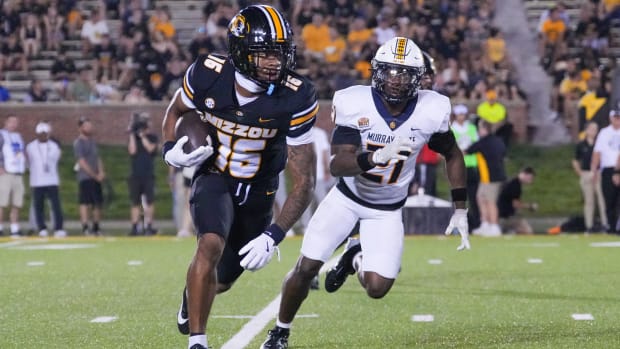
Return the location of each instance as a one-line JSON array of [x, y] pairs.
[[166, 147], [276, 233]]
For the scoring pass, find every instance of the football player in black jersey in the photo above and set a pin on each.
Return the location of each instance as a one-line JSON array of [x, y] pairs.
[[258, 113]]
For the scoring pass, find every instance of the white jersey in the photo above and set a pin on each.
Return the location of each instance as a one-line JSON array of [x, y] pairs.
[[358, 108]]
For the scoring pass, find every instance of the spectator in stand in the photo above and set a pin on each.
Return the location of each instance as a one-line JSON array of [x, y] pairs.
[[53, 24], [136, 95], [142, 148], [5, 95], [13, 57], [336, 47], [591, 189], [105, 91], [105, 58], [303, 13], [36, 93], [341, 13], [31, 37], [466, 134], [358, 35], [494, 112], [551, 44], [561, 12], [594, 105], [90, 174], [93, 31], [604, 160], [43, 156], [201, 44], [173, 78], [572, 88], [384, 30], [75, 22], [495, 49], [161, 23], [490, 152], [134, 20], [509, 203], [316, 36], [10, 19], [12, 168], [83, 89], [63, 73]]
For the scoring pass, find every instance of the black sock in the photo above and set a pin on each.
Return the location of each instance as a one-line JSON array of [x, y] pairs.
[[84, 227], [196, 334], [96, 226]]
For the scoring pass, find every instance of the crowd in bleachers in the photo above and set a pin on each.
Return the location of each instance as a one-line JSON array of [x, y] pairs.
[[142, 59], [574, 45]]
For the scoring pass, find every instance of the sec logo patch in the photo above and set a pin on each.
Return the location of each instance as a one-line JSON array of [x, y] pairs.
[[210, 103]]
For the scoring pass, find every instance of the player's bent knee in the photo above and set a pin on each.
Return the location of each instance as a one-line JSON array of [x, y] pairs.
[[307, 268], [376, 285]]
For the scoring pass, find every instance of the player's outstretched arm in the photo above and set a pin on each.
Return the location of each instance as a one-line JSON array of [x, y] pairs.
[[302, 167], [445, 144]]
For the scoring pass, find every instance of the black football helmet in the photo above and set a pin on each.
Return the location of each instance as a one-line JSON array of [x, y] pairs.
[[428, 80], [260, 29]]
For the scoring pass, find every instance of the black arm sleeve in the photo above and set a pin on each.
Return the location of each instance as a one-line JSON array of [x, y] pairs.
[[346, 135], [442, 142]]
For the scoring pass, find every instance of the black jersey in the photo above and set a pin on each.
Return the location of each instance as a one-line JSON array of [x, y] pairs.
[[249, 141]]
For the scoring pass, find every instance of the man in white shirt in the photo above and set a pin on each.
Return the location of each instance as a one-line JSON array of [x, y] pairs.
[[604, 158], [43, 155], [12, 168]]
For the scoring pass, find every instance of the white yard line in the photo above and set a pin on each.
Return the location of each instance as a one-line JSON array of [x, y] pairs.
[[250, 330], [10, 243], [104, 319], [583, 317]]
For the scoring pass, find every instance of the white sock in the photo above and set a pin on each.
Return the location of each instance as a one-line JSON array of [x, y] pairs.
[[357, 261], [282, 324], [198, 339], [14, 228]]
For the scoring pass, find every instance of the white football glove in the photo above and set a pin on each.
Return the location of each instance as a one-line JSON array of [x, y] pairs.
[[392, 151], [459, 222], [178, 158], [259, 252]]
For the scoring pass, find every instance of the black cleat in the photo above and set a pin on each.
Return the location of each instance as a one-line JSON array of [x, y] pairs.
[[314, 285], [276, 339], [337, 275], [182, 316]]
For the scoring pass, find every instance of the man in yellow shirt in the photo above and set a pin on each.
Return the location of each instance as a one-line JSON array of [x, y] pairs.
[[495, 114], [553, 30], [358, 35], [316, 36]]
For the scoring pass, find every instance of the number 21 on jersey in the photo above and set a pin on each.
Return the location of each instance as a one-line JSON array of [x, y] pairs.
[[396, 168]]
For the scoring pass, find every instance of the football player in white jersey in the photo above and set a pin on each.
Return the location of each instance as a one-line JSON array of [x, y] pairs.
[[379, 131]]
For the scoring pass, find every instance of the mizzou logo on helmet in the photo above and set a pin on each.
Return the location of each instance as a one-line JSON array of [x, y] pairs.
[[238, 26]]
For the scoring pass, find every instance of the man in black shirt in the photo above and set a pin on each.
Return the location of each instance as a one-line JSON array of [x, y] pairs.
[[509, 203], [142, 148]]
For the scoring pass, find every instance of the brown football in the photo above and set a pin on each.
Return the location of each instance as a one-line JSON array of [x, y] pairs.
[[195, 129]]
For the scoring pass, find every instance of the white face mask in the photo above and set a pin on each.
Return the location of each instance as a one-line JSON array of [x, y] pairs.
[[247, 83]]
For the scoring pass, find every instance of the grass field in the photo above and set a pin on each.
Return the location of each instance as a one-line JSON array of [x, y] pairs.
[[489, 297]]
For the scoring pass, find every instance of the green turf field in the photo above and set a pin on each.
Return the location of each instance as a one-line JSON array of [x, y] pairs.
[[489, 297]]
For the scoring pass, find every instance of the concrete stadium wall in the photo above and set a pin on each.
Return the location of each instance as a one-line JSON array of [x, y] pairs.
[[110, 121]]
